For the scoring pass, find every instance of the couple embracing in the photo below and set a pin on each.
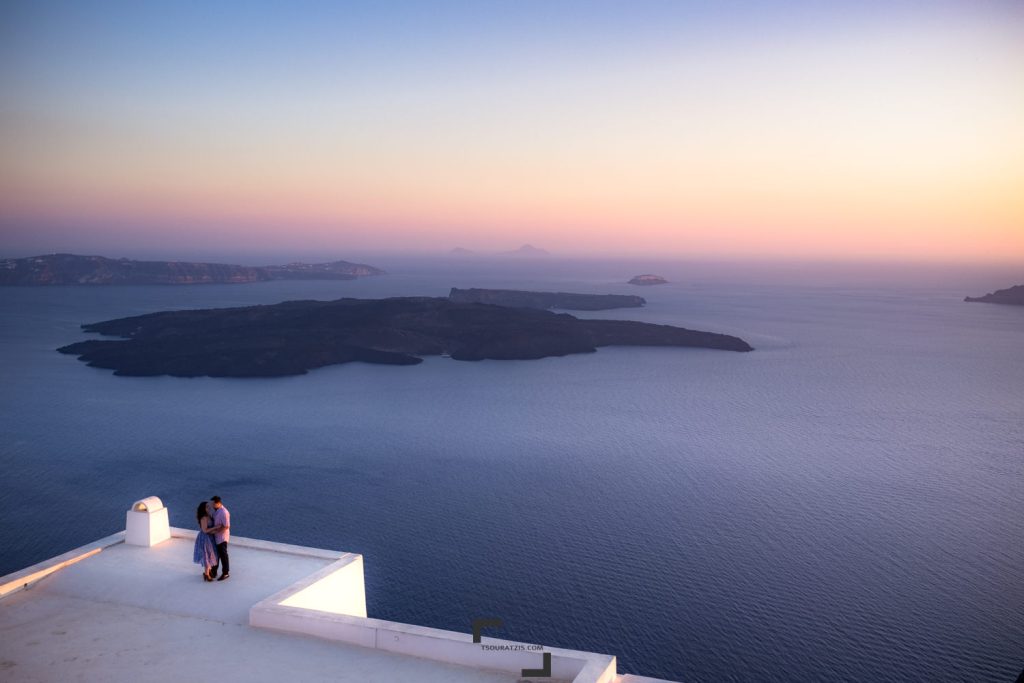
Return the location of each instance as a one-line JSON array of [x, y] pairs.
[[211, 548]]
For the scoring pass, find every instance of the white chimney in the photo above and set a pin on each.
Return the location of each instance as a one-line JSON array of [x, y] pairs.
[[147, 523]]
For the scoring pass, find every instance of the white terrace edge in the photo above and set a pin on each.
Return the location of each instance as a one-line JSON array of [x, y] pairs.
[[25, 578], [331, 604], [425, 642], [339, 595]]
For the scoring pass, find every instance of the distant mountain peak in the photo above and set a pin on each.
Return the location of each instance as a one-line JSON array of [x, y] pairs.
[[528, 250], [460, 251]]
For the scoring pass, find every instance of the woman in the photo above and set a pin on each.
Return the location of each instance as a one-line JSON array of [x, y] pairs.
[[205, 553]]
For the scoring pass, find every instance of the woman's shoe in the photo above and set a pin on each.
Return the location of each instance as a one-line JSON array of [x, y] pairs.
[[206, 577]]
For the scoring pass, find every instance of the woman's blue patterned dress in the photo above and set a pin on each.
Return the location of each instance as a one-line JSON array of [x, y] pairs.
[[205, 552]]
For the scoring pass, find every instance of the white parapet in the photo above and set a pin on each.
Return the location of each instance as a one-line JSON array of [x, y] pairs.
[[147, 523], [331, 604], [338, 589]]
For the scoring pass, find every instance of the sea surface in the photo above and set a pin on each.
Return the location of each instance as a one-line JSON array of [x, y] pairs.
[[844, 503]]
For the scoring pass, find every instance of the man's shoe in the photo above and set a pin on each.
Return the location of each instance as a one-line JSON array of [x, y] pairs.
[[223, 576]]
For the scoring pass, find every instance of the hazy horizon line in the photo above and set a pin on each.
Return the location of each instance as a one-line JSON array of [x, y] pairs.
[[244, 256]]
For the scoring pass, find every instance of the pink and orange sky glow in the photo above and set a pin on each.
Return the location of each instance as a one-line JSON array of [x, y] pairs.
[[776, 130]]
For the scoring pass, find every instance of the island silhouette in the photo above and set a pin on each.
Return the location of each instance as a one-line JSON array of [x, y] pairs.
[[294, 337]]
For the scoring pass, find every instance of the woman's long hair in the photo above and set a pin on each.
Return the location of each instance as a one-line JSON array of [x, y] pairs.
[[201, 512]]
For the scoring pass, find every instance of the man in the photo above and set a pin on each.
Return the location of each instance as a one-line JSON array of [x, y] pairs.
[[221, 531]]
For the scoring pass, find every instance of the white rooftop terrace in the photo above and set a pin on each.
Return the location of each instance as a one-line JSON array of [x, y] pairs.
[[133, 606]]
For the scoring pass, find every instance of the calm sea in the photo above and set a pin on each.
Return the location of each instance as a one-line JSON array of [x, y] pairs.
[[845, 503]]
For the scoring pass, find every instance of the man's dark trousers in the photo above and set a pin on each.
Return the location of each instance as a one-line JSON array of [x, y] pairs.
[[222, 557]]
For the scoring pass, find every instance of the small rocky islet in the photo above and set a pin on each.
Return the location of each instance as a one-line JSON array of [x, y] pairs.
[[647, 280], [546, 300]]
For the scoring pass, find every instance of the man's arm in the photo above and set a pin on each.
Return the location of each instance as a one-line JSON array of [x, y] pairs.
[[225, 523]]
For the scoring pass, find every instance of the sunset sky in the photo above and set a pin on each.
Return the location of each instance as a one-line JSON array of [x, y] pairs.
[[750, 129]]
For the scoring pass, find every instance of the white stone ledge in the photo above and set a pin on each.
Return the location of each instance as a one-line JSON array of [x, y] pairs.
[[328, 614], [24, 578], [425, 642]]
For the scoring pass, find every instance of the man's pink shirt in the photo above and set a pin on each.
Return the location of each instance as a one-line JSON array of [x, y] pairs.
[[222, 517]]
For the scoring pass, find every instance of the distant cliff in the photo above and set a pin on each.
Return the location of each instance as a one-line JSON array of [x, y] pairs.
[[71, 269], [545, 300], [335, 270], [293, 337], [1014, 296]]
